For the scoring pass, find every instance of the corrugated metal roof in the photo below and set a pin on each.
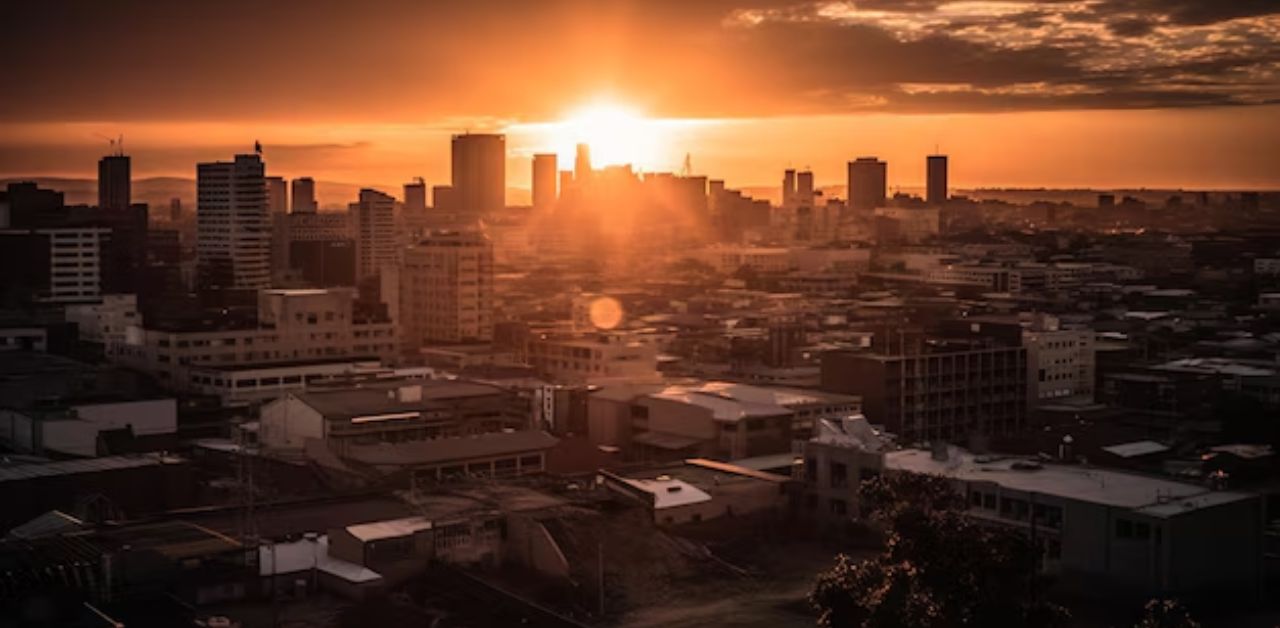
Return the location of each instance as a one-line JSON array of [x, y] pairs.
[[87, 465]]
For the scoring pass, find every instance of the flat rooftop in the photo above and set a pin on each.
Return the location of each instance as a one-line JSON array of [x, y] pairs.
[[1157, 497]]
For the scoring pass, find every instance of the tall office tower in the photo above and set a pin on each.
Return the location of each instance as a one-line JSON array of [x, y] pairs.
[[233, 225], [480, 172], [788, 187], [446, 290], [868, 183], [175, 209], [544, 181], [415, 196], [277, 195], [113, 182], [936, 171], [443, 200], [304, 196], [582, 163], [804, 189], [374, 219], [566, 182]]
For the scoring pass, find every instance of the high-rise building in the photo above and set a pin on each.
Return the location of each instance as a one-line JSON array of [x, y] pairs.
[[415, 196], [868, 183], [373, 217], [175, 209], [566, 182], [233, 225], [582, 163], [113, 182], [446, 290], [443, 200], [936, 188], [304, 196], [804, 189], [277, 195], [480, 172], [788, 187], [544, 181]]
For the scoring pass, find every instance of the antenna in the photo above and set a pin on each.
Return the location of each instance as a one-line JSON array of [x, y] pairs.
[[686, 170]]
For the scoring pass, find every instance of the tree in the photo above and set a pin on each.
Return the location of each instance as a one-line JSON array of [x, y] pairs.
[[938, 569], [1166, 614]]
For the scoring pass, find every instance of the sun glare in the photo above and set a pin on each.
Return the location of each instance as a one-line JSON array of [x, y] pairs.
[[616, 134]]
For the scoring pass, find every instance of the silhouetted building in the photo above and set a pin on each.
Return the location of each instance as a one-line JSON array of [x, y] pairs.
[[936, 184], [480, 172], [788, 187], [175, 209], [443, 200], [277, 195], [233, 226], [544, 181], [582, 164], [324, 263], [804, 189], [868, 183], [304, 196], [113, 182], [415, 196]]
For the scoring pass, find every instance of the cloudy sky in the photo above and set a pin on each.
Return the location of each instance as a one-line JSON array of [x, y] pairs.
[[1055, 93]]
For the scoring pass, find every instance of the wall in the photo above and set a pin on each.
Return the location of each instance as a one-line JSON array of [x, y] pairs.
[[287, 423]]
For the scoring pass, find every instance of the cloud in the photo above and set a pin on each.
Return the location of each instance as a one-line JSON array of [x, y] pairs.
[[485, 60]]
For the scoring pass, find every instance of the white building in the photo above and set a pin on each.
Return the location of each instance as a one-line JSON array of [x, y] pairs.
[[105, 323], [1061, 363], [592, 359], [293, 326], [73, 429], [233, 224], [374, 220], [446, 290]]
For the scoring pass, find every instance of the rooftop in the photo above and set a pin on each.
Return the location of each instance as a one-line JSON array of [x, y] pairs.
[[87, 465], [1153, 496], [381, 398], [442, 450]]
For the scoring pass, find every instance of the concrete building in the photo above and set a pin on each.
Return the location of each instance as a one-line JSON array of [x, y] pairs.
[[479, 172], [76, 428], [291, 326], [114, 184], [388, 412], [374, 221], [233, 224], [70, 257], [304, 196], [1109, 530], [949, 391], [698, 490], [106, 322], [936, 179], [1061, 364], [544, 181], [446, 290], [804, 196], [906, 225], [868, 183], [591, 358]]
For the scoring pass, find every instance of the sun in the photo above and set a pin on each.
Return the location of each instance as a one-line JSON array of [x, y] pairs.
[[615, 133]]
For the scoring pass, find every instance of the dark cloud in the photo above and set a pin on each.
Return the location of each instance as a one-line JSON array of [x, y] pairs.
[[404, 60]]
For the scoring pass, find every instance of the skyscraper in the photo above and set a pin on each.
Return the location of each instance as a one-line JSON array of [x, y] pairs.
[[936, 171], [277, 195], [233, 225], [373, 217], [582, 163], [788, 187], [304, 196], [480, 172], [113, 182], [544, 181], [868, 183], [446, 290], [415, 196], [804, 189]]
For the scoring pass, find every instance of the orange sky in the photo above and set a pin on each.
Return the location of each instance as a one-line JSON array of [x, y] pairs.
[[1105, 93]]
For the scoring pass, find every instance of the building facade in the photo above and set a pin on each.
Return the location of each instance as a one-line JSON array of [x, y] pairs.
[[233, 224]]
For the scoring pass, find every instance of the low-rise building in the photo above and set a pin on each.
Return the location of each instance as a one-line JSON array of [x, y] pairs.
[[698, 490]]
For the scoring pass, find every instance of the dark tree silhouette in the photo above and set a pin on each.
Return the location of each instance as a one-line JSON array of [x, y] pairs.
[[1166, 614], [939, 568]]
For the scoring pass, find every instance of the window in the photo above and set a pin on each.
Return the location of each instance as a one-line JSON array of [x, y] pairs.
[[839, 475]]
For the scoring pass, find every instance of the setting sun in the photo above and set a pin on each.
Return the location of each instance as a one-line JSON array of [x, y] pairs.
[[616, 134]]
